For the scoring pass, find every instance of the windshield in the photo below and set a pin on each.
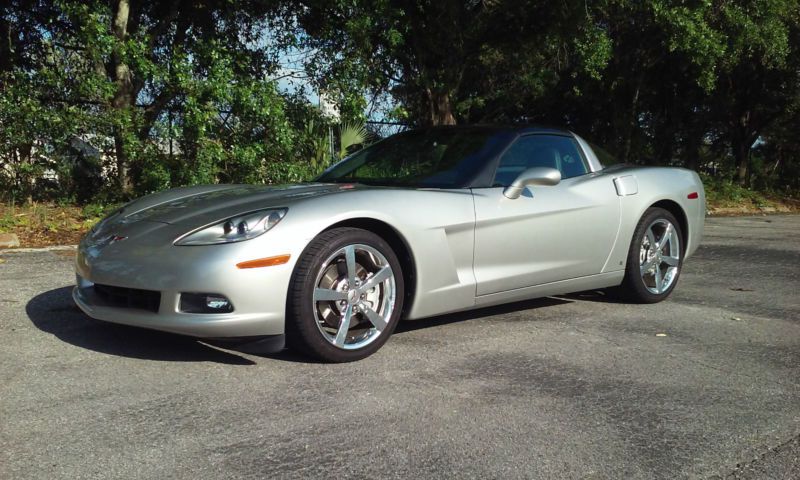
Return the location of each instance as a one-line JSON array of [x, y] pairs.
[[435, 158]]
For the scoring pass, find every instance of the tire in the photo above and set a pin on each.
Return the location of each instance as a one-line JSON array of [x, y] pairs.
[[321, 297], [652, 273]]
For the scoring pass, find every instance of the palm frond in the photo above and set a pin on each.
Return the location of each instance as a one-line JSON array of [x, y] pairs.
[[351, 134]]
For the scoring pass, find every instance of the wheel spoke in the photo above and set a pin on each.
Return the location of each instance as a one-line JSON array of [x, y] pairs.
[[344, 327], [659, 280], [350, 259], [666, 237], [381, 275], [671, 261], [651, 239], [643, 268], [375, 319], [327, 295]]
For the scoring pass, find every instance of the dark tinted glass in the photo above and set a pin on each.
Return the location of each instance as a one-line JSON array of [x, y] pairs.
[[550, 151], [438, 158]]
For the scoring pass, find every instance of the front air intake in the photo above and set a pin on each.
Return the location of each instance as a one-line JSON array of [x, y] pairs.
[[133, 298]]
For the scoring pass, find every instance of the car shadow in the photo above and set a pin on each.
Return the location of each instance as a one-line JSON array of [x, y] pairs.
[[54, 312], [599, 296], [449, 318], [288, 355]]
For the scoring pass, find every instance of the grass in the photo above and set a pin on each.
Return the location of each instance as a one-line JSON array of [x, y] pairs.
[[727, 197]]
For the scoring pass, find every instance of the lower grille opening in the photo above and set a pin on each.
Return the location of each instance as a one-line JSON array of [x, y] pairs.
[[128, 297]]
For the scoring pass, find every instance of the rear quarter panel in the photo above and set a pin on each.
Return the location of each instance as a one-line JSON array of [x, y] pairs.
[[657, 184]]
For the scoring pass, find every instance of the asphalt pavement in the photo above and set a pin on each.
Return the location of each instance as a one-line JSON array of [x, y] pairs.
[[704, 385]]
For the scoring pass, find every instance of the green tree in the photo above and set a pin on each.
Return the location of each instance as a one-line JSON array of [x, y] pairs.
[[447, 60], [182, 89], [683, 75], [759, 74], [174, 93]]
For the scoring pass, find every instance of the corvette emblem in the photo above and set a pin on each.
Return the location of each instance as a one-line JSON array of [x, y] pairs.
[[108, 240]]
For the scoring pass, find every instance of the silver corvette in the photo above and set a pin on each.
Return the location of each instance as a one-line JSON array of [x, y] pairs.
[[423, 223]]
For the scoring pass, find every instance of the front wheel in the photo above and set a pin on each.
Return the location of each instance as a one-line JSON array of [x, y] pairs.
[[655, 258], [345, 296]]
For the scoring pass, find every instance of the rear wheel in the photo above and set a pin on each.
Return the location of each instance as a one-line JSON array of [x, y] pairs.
[[345, 296], [655, 258]]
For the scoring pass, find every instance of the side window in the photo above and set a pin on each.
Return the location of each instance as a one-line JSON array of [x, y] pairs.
[[540, 151]]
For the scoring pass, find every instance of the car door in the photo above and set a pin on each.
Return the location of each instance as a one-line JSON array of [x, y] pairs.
[[549, 233]]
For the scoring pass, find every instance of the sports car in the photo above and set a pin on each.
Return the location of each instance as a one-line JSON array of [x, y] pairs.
[[422, 223]]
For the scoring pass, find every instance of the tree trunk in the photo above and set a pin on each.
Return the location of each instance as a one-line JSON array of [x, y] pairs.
[[124, 96], [692, 152], [443, 109], [439, 108], [742, 156], [26, 181], [6, 46], [743, 137], [632, 124], [664, 141]]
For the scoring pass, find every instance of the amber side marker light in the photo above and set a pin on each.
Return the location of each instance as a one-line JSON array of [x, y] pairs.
[[264, 262], [692, 196]]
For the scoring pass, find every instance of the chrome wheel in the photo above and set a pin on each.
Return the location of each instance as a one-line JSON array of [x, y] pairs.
[[659, 256], [354, 296]]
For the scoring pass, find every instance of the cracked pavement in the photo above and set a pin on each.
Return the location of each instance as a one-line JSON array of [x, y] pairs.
[[704, 385]]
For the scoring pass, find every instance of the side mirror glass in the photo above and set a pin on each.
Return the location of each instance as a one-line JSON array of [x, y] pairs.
[[541, 176]]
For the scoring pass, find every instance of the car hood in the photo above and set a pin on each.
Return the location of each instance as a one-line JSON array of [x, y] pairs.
[[173, 212], [197, 206]]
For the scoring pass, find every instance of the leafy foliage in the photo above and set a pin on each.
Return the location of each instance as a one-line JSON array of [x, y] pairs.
[[350, 135], [182, 96], [103, 100]]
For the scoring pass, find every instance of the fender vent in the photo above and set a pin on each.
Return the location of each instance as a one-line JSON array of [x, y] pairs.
[[626, 185]]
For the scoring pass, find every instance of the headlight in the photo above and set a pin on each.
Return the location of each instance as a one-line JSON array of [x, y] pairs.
[[235, 229]]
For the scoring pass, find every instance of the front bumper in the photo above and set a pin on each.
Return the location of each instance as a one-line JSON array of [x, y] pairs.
[[258, 295], [205, 325]]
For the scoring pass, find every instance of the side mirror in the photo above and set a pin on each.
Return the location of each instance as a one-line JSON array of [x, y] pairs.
[[542, 176]]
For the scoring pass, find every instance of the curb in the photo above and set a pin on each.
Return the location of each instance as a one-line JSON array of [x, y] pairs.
[[54, 248]]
